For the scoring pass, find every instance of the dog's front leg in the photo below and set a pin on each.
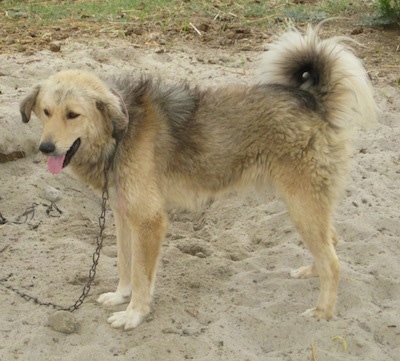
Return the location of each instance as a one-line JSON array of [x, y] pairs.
[[124, 252], [147, 235]]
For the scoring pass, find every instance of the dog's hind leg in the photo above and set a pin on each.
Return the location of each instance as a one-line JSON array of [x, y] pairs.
[[147, 237], [310, 271], [124, 253], [312, 220]]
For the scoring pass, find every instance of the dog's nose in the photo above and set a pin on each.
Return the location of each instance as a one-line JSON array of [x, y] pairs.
[[47, 147]]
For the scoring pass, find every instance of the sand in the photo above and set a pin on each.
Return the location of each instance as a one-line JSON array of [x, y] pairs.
[[223, 289]]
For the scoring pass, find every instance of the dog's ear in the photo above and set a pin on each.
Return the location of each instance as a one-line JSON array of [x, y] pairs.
[[28, 103], [118, 115]]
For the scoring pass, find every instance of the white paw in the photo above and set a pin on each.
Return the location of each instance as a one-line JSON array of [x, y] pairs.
[[304, 272], [128, 319], [112, 298], [318, 314], [309, 313]]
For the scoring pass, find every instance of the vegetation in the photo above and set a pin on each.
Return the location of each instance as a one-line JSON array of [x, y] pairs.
[[123, 11], [389, 11], [33, 23]]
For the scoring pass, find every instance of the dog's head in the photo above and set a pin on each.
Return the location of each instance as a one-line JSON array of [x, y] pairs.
[[79, 113]]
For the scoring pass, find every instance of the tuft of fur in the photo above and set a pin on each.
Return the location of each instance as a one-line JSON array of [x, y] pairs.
[[326, 68]]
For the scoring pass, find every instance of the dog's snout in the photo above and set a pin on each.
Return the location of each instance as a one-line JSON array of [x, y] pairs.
[[47, 147]]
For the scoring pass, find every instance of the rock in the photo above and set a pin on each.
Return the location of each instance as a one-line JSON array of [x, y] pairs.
[[170, 330], [51, 194], [133, 30], [54, 47], [357, 31], [63, 321], [4, 158], [110, 251], [194, 249]]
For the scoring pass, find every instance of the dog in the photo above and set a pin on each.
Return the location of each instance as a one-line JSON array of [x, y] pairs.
[[159, 146]]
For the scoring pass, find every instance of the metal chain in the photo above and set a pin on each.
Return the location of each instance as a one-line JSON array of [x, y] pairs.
[[92, 270]]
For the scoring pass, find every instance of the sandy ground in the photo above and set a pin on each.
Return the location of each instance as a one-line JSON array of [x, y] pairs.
[[223, 289]]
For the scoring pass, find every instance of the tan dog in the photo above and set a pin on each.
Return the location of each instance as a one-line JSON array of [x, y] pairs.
[[180, 146]]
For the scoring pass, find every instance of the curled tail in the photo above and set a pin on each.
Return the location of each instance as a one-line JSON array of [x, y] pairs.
[[328, 69]]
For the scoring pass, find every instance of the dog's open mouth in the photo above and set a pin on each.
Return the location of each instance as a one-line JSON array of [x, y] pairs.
[[56, 163]]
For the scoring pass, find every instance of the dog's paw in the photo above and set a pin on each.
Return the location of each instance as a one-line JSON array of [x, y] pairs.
[[128, 319], [318, 314], [309, 271], [112, 299]]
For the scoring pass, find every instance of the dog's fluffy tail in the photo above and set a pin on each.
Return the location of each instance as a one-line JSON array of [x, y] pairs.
[[328, 69]]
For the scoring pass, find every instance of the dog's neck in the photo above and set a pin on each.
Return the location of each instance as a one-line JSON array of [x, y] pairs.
[[107, 155], [110, 163]]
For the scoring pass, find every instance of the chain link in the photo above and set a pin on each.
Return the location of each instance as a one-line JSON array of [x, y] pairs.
[[92, 270]]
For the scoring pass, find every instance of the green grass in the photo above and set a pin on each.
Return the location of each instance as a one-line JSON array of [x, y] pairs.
[[91, 10], [388, 12], [45, 12]]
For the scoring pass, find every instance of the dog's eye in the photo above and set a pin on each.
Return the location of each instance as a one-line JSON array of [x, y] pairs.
[[46, 112], [72, 115]]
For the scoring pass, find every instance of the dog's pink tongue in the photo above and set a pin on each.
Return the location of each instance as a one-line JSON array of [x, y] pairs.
[[55, 164]]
